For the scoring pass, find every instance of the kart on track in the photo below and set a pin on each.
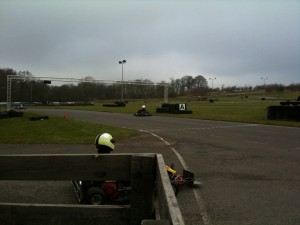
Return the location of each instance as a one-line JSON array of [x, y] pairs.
[[142, 113]]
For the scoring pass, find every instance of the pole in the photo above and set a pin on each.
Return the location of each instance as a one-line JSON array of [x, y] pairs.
[[264, 78], [122, 99], [31, 92], [8, 103], [122, 62], [166, 93], [212, 83]]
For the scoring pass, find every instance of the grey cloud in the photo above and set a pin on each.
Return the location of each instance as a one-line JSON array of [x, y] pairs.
[[233, 40]]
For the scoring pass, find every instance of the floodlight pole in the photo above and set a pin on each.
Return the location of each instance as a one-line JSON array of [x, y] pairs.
[[212, 83], [122, 62], [264, 78], [166, 87]]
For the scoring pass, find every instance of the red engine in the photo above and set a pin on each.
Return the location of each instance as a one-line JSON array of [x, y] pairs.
[[111, 189]]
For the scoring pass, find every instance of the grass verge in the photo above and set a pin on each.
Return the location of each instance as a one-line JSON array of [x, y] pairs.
[[235, 108], [56, 130]]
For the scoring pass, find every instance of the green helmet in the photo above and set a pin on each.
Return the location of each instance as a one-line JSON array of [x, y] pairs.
[[104, 143]]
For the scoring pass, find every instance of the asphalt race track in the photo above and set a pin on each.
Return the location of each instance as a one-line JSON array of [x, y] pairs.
[[250, 173]]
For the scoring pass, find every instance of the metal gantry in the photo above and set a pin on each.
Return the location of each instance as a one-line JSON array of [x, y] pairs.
[[42, 79], [9, 80]]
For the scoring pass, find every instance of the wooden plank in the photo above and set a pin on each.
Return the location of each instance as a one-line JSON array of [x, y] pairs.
[[168, 205], [37, 214], [155, 222], [65, 167], [142, 188]]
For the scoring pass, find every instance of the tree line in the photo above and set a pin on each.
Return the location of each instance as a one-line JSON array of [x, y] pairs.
[[88, 89]]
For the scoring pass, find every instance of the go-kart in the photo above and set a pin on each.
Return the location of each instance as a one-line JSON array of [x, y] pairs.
[[99, 192], [177, 181], [142, 113]]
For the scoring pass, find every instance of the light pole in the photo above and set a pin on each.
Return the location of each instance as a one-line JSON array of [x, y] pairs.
[[264, 78], [122, 62], [212, 82], [31, 92]]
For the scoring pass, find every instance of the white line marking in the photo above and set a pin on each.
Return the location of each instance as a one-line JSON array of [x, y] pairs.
[[205, 128], [163, 140], [198, 197], [183, 163], [203, 211]]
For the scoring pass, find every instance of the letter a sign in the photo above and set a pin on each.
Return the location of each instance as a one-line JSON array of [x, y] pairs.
[[182, 107]]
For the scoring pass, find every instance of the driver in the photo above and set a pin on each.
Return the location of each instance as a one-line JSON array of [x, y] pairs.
[[104, 143], [143, 109], [114, 190]]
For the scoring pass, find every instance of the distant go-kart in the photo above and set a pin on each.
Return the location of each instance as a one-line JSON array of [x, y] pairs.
[[142, 113], [177, 180]]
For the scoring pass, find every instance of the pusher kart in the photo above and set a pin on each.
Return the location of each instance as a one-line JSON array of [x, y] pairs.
[[99, 192], [177, 181]]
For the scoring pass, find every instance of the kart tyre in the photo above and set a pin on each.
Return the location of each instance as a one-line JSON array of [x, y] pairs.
[[95, 196], [175, 188]]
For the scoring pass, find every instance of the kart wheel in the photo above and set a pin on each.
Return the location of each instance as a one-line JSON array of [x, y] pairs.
[[95, 196], [175, 189]]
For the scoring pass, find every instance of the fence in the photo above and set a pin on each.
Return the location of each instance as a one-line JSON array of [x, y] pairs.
[[152, 197]]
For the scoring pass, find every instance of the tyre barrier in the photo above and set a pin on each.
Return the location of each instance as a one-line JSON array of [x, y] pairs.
[[10, 114], [179, 108], [290, 113], [35, 118], [116, 104], [289, 103], [113, 105]]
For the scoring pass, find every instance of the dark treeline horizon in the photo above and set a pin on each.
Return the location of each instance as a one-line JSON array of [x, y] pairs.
[[88, 89]]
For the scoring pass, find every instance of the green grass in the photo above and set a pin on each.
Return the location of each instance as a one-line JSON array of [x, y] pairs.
[[56, 130], [234, 107], [238, 108]]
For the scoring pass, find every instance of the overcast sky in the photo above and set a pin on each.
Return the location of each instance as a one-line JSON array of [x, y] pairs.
[[235, 41]]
